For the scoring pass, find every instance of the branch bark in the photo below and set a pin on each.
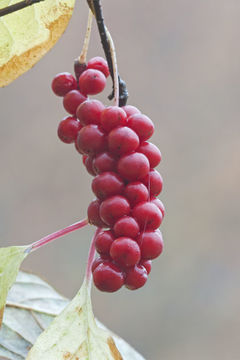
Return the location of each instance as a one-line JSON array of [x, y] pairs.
[[18, 6]]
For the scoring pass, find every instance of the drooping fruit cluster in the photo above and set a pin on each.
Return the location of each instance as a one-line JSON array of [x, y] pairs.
[[114, 147]]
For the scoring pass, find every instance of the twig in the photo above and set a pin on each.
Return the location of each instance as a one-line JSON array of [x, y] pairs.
[[83, 55], [115, 69], [18, 6], [123, 93]]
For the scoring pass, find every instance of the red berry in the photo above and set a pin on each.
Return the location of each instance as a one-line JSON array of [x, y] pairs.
[[126, 226], [133, 166], [93, 214], [108, 277], [89, 112], [98, 63], [63, 83], [136, 277], [100, 260], [72, 100], [112, 117], [122, 140], [148, 215], [153, 182], [107, 184], [104, 241], [125, 252], [152, 153], [91, 140], [131, 110], [88, 162], [151, 244], [104, 162], [136, 192], [92, 82], [159, 204], [68, 129], [147, 264], [142, 125], [113, 209]]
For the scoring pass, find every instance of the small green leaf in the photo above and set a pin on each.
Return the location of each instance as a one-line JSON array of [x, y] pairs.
[[10, 261], [74, 334]]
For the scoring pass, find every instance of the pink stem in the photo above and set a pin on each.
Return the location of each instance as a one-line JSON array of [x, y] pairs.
[[46, 239], [91, 256]]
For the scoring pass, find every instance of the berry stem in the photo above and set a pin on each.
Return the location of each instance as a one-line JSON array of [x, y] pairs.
[[47, 239], [115, 69], [91, 256], [83, 56]]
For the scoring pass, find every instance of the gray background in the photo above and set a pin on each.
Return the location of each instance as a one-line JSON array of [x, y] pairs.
[[181, 63]]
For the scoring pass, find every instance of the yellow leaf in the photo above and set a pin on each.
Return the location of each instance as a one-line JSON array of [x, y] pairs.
[[10, 261], [27, 35], [74, 334]]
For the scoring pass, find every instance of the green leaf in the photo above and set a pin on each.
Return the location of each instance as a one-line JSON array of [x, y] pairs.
[[28, 34], [31, 307], [10, 261]]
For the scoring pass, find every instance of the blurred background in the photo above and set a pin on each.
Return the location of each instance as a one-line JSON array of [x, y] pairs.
[[180, 60]]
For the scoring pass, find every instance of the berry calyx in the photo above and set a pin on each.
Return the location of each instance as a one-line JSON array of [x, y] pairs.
[[108, 277], [125, 252], [136, 277], [68, 129], [98, 63], [92, 82], [89, 112], [63, 83]]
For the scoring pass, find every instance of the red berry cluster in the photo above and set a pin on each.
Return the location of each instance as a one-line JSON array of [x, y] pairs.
[[113, 143]]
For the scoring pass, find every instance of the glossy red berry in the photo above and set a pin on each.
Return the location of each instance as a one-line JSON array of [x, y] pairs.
[[68, 129], [88, 162], [154, 182], [147, 264], [63, 83], [104, 162], [151, 244], [131, 110], [72, 100], [100, 260], [136, 192], [152, 152], [148, 215], [107, 184], [89, 112], [104, 241], [108, 277], [113, 209], [126, 226], [112, 117], [93, 214], [122, 140], [133, 166], [159, 204], [92, 82], [142, 125], [91, 140], [98, 63], [136, 277], [125, 252]]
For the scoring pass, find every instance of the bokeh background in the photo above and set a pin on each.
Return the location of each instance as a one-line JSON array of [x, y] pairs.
[[180, 60]]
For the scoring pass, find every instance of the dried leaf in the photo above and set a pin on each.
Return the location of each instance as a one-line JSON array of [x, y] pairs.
[[10, 261], [28, 34], [30, 314]]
